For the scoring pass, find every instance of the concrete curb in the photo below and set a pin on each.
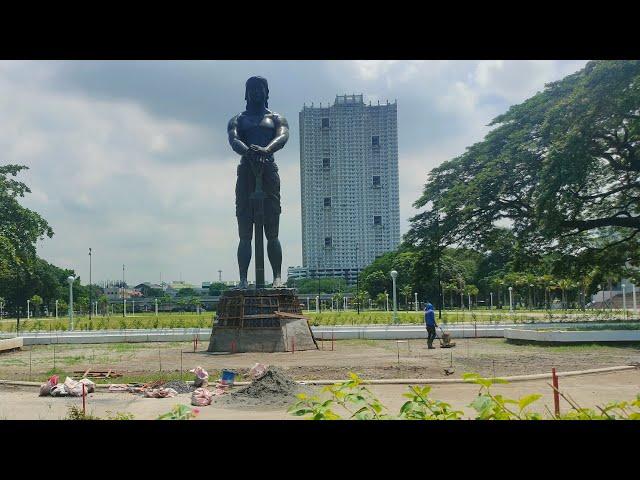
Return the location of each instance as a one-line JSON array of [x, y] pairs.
[[571, 336], [402, 381]]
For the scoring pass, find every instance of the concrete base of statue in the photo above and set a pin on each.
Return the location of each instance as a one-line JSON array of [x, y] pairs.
[[260, 320]]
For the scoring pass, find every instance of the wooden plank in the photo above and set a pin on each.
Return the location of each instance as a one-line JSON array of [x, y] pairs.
[[290, 315]]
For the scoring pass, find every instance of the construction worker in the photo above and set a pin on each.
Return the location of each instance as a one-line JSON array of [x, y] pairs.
[[430, 320]]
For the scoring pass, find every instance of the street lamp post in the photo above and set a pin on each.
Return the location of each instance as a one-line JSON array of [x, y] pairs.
[[56, 309], [357, 282], [469, 297], [156, 306], [124, 301], [491, 304], [394, 275], [90, 295], [416, 302], [624, 300], [28, 312], [635, 305], [317, 303], [511, 299], [71, 279]]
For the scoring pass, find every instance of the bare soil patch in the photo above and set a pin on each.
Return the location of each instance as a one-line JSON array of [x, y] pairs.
[[368, 358]]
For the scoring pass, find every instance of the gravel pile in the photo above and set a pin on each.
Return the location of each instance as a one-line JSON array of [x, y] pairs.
[[274, 389], [180, 387]]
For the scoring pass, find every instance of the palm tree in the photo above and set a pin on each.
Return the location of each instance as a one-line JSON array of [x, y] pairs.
[[564, 284], [406, 291], [338, 297], [37, 301], [381, 299]]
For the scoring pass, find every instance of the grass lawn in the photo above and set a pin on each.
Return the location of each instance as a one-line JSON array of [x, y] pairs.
[[349, 317]]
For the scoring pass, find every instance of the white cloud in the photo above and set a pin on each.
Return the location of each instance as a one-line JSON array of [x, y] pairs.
[[132, 158]]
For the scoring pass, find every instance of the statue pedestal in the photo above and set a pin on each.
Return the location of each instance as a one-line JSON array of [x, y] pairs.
[[260, 320]]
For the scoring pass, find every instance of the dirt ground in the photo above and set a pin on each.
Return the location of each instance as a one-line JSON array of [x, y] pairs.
[[368, 358], [587, 390]]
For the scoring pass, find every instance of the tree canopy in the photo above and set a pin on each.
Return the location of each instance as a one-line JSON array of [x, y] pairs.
[[561, 169]]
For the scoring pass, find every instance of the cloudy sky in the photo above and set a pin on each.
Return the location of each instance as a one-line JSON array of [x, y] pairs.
[[131, 158]]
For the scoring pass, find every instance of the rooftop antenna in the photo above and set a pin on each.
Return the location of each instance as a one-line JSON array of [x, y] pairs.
[[220, 275]]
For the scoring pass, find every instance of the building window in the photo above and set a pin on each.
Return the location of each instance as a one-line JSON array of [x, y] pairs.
[[327, 201], [325, 123], [376, 180], [375, 141], [327, 241], [326, 163], [377, 220]]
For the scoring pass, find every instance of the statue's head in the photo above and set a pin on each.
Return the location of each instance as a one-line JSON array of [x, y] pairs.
[[257, 91]]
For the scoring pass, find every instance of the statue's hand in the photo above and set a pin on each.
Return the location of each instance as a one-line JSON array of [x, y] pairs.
[[259, 150]]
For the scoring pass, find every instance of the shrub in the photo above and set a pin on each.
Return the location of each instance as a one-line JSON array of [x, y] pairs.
[[180, 412]]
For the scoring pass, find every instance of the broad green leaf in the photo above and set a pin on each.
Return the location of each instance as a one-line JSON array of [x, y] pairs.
[[527, 400]]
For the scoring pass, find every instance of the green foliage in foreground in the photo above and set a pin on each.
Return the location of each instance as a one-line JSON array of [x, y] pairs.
[[180, 412], [361, 404], [76, 413]]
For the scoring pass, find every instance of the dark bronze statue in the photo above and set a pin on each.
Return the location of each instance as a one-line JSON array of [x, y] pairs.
[[256, 134]]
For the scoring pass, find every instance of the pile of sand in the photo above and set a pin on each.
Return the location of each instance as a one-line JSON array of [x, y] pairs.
[[274, 389]]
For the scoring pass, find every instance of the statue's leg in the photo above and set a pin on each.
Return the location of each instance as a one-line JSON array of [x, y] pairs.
[[245, 231], [274, 249], [245, 184]]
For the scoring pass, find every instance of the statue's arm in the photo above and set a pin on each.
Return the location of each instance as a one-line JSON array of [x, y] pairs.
[[282, 134], [234, 138]]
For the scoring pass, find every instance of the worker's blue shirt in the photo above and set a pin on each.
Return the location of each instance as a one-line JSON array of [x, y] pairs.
[[430, 318]]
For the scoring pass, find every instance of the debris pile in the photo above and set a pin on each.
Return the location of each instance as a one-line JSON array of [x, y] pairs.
[[160, 393], [180, 387], [272, 388], [70, 387]]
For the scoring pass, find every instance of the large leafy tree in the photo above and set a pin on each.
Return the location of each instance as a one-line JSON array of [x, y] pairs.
[[20, 229], [562, 168]]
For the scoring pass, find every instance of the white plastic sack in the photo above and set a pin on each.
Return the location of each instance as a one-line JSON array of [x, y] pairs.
[[59, 391], [201, 397], [258, 371], [74, 388], [160, 393]]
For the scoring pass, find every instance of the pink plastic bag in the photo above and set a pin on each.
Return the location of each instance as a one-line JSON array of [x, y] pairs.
[[201, 397], [258, 371], [202, 377]]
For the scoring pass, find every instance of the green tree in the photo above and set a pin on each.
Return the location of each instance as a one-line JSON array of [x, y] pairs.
[[563, 167], [20, 229], [186, 292], [36, 301], [381, 300], [376, 283], [103, 304], [216, 288], [406, 292]]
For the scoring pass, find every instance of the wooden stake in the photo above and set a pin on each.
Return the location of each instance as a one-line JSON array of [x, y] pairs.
[[556, 396]]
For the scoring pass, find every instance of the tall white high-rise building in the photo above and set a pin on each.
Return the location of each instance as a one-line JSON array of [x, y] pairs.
[[349, 177]]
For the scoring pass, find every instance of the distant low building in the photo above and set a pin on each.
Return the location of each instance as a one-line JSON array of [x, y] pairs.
[[146, 288], [115, 293], [350, 275], [179, 285]]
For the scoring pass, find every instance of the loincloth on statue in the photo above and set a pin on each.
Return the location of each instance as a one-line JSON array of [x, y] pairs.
[[246, 184]]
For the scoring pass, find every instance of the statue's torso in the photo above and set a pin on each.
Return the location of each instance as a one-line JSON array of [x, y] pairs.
[[256, 129]]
